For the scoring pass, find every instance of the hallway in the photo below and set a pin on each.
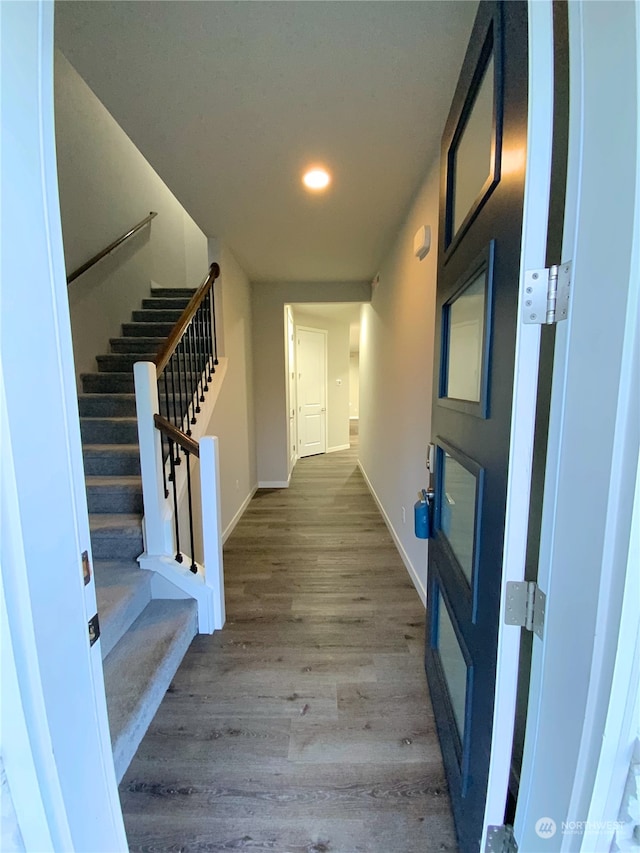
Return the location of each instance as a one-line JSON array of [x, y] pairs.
[[304, 726]]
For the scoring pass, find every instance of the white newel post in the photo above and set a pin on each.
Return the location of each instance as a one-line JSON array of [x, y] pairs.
[[212, 525], [146, 387]]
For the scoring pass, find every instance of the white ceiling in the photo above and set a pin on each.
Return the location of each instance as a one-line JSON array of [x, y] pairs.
[[229, 101]]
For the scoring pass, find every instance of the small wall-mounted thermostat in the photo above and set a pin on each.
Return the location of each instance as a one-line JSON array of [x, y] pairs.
[[422, 242]]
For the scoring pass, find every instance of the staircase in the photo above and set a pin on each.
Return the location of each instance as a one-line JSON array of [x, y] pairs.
[[143, 640]]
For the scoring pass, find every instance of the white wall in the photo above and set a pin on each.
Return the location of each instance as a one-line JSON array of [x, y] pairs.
[[337, 372], [233, 418], [354, 385], [106, 186], [268, 301], [396, 366]]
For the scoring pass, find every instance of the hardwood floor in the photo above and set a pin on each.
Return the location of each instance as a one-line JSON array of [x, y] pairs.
[[304, 726]]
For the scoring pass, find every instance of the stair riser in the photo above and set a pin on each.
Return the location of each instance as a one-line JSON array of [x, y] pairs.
[[165, 303], [107, 406], [116, 547], [118, 383], [107, 383], [121, 362], [173, 292], [111, 464], [159, 316], [128, 345], [107, 431], [105, 500], [117, 617], [147, 330]]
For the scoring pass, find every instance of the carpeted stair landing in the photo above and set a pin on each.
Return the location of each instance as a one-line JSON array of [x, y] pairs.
[[143, 640]]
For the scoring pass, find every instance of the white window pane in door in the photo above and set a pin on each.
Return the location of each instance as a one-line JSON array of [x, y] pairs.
[[466, 339], [458, 511], [453, 665], [472, 158]]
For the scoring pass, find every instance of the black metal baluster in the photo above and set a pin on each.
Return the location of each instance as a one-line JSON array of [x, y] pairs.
[[164, 473], [187, 344], [187, 381], [181, 397], [200, 345], [215, 337], [175, 500], [194, 371], [167, 416], [176, 421], [194, 568], [209, 348]]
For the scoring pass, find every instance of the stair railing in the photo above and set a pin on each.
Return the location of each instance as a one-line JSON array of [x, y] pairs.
[[169, 393], [111, 247]]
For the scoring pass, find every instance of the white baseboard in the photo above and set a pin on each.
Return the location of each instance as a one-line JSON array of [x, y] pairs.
[[339, 447], [413, 574], [273, 484], [354, 417], [236, 518]]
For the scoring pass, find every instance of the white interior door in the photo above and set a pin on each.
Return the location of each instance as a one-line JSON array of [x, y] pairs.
[[311, 391]]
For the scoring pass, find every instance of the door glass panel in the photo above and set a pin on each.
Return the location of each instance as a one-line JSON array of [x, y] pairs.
[[454, 665], [464, 319], [472, 159], [458, 511]]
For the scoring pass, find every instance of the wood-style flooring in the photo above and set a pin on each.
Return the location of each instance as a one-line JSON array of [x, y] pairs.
[[304, 726]]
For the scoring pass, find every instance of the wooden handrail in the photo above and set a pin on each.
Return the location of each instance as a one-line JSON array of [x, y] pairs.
[[164, 356], [176, 435], [94, 260]]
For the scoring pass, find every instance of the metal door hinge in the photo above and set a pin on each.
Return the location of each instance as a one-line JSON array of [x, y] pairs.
[[525, 606], [94, 629], [546, 294], [500, 839]]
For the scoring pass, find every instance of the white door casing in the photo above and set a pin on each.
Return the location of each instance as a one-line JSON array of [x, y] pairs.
[[311, 370], [58, 689], [592, 452], [290, 366]]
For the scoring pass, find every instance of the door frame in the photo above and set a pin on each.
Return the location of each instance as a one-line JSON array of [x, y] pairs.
[[63, 785], [291, 389], [525, 386], [324, 332], [572, 758]]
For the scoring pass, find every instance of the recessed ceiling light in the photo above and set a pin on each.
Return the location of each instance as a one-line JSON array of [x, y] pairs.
[[316, 179]]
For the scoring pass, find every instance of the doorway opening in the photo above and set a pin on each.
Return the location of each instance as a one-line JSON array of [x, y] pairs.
[[322, 377]]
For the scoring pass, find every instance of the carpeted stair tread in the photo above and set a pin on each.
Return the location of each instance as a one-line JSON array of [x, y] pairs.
[[116, 536], [129, 524], [139, 670], [123, 590], [114, 494]]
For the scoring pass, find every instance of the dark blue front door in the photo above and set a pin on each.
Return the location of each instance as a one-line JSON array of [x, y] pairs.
[[482, 189]]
